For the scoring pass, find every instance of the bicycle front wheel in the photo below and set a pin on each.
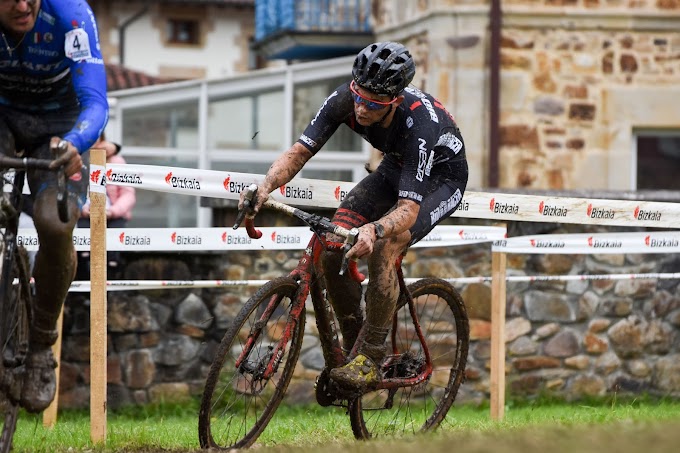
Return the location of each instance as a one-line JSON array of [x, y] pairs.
[[14, 335], [238, 400], [407, 410]]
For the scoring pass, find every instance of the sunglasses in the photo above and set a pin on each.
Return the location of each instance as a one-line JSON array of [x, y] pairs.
[[371, 104]]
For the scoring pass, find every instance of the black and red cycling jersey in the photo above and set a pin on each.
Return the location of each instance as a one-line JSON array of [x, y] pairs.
[[422, 139]]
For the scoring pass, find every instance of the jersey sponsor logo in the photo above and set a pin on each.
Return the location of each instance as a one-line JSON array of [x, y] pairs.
[[233, 186], [335, 93], [307, 140], [285, 238], [182, 239], [604, 243], [599, 213], [128, 239], [182, 183], [503, 208], [409, 122], [445, 206], [47, 17], [450, 141], [411, 195], [340, 194], [126, 178], [235, 240], [29, 65], [547, 244], [425, 101], [422, 159], [639, 214], [301, 193], [554, 211], [43, 52], [662, 242]]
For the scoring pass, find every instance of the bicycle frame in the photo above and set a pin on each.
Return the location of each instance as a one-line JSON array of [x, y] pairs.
[[309, 282], [11, 223]]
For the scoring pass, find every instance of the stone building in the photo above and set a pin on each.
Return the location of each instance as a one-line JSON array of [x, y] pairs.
[[579, 80]]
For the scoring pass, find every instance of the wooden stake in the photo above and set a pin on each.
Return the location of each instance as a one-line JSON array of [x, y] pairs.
[[50, 414], [498, 300], [98, 325]]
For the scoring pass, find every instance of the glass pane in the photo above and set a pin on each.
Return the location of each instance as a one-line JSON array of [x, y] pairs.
[[331, 175], [165, 126], [242, 167], [254, 121], [658, 162], [162, 209], [307, 100]]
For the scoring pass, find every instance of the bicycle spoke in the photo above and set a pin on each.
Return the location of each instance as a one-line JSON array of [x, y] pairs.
[[442, 319]]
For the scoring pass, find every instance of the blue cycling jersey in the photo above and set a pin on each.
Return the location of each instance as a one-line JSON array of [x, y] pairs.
[[58, 66]]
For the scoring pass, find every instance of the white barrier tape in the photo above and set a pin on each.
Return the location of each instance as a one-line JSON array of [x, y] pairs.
[[135, 285], [477, 205], [596, 243], [228, 239]]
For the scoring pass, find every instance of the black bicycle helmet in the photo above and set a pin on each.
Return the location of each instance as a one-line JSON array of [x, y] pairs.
[[384, 68]]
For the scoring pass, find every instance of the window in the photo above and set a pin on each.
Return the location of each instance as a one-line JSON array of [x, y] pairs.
[[183, 31], [308, 98], [658, 161], [253, 121], [171, 126]]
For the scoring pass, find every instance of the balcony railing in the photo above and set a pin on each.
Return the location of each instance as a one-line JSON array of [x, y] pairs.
[[311, 29]]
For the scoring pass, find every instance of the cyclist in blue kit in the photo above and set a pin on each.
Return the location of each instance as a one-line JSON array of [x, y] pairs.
[[419, 182], [52, 96]]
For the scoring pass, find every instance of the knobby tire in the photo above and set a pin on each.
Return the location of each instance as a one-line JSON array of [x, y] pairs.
[[14, 335], [444, 323], [237, 406]]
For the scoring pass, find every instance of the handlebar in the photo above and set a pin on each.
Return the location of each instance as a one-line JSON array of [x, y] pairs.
[[318, 222], [30, 163]]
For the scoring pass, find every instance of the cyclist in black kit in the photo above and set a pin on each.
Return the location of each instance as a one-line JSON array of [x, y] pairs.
[[419, 182]]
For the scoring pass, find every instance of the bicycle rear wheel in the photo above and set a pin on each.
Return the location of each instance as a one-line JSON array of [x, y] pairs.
[[408, 410], [238, 402], [14, 334]]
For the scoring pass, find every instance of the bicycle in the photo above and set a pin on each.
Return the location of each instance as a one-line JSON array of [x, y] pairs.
[[16, 298], [255, 361]]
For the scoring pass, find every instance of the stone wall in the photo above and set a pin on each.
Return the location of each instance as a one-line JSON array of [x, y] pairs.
[[571, 339]]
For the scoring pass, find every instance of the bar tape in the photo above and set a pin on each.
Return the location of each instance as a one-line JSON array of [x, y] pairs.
[[228, 239], [329, 194]]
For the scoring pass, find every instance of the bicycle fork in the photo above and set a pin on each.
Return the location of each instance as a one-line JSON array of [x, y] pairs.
[[265, 369]]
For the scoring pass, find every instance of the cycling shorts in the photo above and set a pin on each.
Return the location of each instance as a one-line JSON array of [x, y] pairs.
[[378, 193], [32, 133]]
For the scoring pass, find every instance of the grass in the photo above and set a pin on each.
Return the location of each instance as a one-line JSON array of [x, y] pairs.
[[644, 425]]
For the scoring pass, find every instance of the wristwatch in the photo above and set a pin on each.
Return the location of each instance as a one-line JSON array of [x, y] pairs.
[[379, 230]]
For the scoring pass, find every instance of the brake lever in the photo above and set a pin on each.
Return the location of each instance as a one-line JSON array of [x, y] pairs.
[[350, 240], [248, 202], [62, 188]]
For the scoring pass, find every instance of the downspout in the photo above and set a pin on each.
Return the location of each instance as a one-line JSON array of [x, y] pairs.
[[121, 32], [495, 23]]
